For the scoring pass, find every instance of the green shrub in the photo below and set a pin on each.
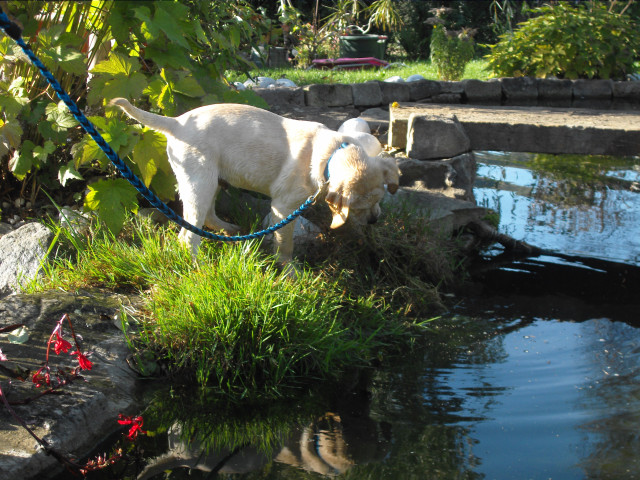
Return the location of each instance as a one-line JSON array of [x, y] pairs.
[[170, 55], [569, 42], [450, 52]]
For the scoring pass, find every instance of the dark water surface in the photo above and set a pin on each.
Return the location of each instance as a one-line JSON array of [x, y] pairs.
[[535, 374]]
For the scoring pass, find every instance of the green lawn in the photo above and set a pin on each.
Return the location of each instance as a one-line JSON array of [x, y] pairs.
[[475, 69]]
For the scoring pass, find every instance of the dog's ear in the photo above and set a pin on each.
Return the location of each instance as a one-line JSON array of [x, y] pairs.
[[390, 173], [339, 205]]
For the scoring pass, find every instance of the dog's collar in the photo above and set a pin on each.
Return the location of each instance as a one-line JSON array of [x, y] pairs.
[[326, 168]]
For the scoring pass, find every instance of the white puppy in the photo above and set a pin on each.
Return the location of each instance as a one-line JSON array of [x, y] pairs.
[[257, 150]]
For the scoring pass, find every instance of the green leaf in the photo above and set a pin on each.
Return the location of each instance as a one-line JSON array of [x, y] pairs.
[[21, 163], [188, 86], [10, 133], [41, 152], [164, 185], [70, 61], [123, 86], [60, 116], [148, 154], [111, 199], [119, 76], [117, 64], [168, 57], [68, 172], [166, 22], [116, 133]]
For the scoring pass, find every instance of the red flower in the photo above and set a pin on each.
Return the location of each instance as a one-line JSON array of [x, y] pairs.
[[61, 345], [84, 362], [136, 425], [41, 377]]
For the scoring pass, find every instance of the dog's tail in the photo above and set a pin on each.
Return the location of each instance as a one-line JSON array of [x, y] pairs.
[[157, 122]]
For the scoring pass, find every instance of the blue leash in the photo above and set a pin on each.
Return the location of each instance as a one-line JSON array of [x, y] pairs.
[[13, 31]]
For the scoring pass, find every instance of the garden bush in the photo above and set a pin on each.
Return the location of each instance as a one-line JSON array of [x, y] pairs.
[[569, 42], [168, 55]]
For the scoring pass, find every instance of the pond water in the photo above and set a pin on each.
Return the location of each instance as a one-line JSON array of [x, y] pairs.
[[535, 373]]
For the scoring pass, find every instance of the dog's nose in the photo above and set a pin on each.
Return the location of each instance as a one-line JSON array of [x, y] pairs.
[[372, 220]]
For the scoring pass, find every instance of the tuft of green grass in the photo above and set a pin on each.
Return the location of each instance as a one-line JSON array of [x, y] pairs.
[[248, 329], [233, 321], [475, 69]]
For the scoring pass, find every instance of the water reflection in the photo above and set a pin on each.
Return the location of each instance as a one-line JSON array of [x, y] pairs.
[[574, 205], [534, 374]]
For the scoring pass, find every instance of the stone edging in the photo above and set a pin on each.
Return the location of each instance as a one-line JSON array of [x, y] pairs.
[[503, 91]]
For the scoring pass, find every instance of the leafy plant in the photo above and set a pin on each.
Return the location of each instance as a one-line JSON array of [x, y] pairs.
[[569, 42], [450, 50], [168, 55]]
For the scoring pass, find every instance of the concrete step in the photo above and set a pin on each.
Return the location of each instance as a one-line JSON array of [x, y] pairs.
[[530, 129]]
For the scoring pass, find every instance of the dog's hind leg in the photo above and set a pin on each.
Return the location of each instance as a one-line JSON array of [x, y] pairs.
[[213, 222]]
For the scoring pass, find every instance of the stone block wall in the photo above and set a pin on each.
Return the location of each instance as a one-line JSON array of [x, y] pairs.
[[504, 91]]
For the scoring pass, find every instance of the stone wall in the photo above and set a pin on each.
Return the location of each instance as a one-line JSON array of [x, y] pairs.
[[504, 91]]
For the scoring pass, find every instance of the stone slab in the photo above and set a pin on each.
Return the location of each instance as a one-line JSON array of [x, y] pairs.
[[328, 95], [282, 95], [87, 411], [532, 129], [446, 215], [435, 136], [366, 94]]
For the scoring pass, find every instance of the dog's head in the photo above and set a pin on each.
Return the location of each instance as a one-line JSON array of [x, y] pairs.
[[356, 185]]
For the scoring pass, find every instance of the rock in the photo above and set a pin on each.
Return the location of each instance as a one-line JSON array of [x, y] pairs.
[[394, 92], [76, 221], [452, 177], [328, 95], [592, 89], [554, 88], [5, 228], [519, 90], [378, 120], [281, 96], [264, 82], [331, 117], [482, 92], [421, 89], [415, 77], [555, 92], [452, 87], [395, 79], [435, 136], [21, 254], [239, 86], [446, 215], [627, 90], [285, 82], [366, 94], [87, 412]]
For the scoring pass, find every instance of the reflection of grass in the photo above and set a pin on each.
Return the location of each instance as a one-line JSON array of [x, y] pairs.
[[209, 425], [584, 168]]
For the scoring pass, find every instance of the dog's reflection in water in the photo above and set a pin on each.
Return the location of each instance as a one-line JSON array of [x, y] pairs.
[[329, 446]]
